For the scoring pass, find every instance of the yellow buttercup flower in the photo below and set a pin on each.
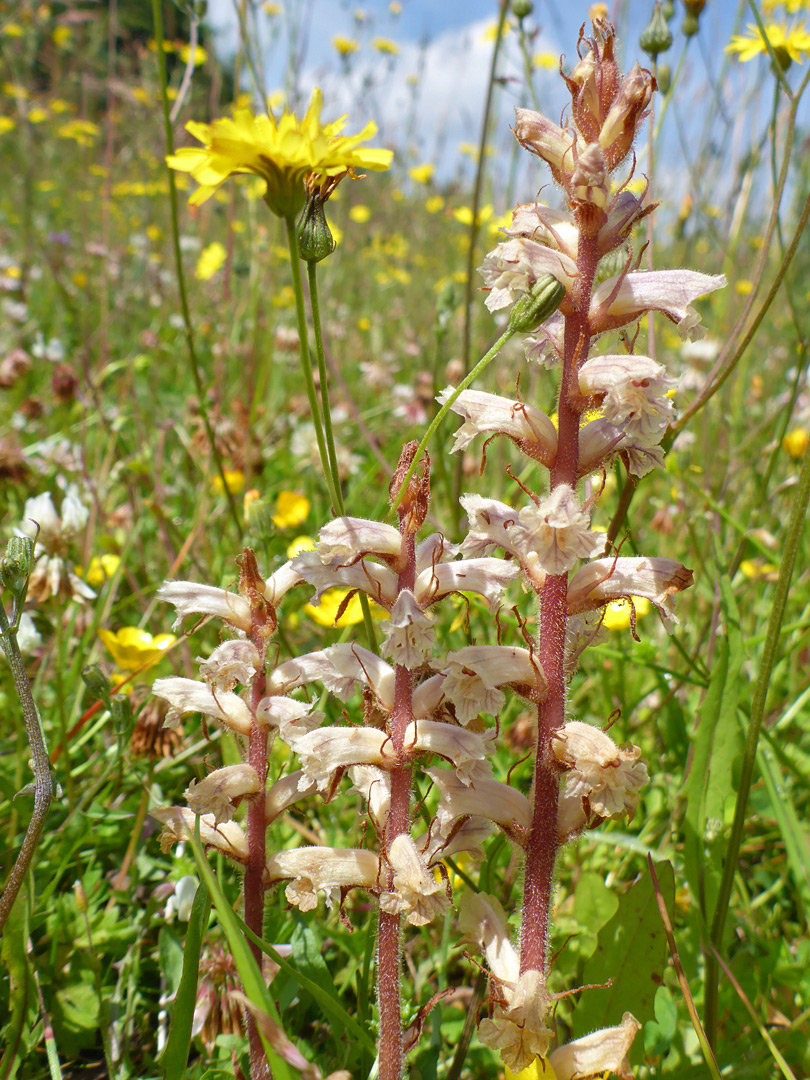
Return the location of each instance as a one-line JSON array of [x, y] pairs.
[[422, 174], [212, 258], [344, 46], [234, 478], [325, 612], [796, 442], [617, 614], [292, 509], [281, 152], [131, 648], [101, 569]]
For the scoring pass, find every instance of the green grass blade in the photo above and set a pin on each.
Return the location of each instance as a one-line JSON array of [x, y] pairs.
[[175, 1057]]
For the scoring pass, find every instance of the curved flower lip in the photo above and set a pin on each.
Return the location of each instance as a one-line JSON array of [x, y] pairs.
[[604, 580], [669, 291], [487, 577], [601, 1052], [489, 799], [504, 665], [527, 426], [416, 893], [282, 153], [374, 579], [482, 921], [552, 227], [315, 869], [188, 695], [511, 268], [287, 791], [191, 598], [226, 836], [347, 539], [555, 146], [219, 792]]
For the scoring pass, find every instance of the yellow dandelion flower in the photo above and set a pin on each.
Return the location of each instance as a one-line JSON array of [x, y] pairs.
[[617, 614], [796, 442], [212, 259], [360, 214], [283, 153], [344, 46], [546, 61], [422, 174], [385, 45], [292, 508], [131, 648], [200, 55], [6, 124], [787, 44], [435, 204], [234, 478], [15, 90]]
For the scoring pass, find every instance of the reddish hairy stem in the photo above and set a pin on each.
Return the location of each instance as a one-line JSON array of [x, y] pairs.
[[256, 837], [388, 946], [541, 853]]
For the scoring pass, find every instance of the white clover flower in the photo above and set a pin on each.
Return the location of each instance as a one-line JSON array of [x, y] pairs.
[[189, 696], [416, 893], [52, 573], [608, 777], [557, 532], [230, 663], [409, 633], [219, 792]]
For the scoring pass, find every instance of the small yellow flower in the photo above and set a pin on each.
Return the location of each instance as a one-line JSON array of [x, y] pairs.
[[61, 37], [13, 30], [743, 286], [617, 614], [435, 204], [81, 131], [292, 509], [546, 61], [37, 116], [212, 258], [200, 55], [364, 323], [465, 216], [270, 8], [131, 648], [796, 442], [324, 614], [344, 46], [385, 45], [360, 214], [234, 478], [758, 568], [540, 1069], [395, 7], [101, 569], [787, 44], [283, 153], [490, 32], [299, 544], [422, 174], [6, 124], [597, 11]]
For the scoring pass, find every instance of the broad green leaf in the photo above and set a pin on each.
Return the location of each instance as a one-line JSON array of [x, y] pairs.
[[718, 743], [631, 951]]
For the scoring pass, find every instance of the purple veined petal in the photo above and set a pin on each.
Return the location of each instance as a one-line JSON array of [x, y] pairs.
[[280, 582], [512, 268], [530, 428], [601, 1052], [604, 580], [434, 549], [374, 579], [220, 791], [311, 667], [540, 223], [191, 598], [487, 577], [669, 291], [348, 538], [190, 696]]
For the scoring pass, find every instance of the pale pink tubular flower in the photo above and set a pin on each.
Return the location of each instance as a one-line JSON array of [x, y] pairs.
[[528, 427], [601, 1052], [189, 696], [178, 824], [230, 663], [599, 771], [633, 390], [474, 673], [409, 633], [311, 870], [416, 893], [623, 299], [513, 267], [191, 598], [604, 580]]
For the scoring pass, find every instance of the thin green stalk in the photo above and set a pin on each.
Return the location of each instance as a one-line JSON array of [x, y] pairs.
[[306, 365], [770, 649], [191, 350], [527, 64], [483, 363], [315, 308]]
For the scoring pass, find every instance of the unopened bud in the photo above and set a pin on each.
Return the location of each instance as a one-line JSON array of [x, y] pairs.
[[315, 240], [694, 7], [657, 36], [690, 25], [80, 896], [663, 76], [535, 306], [16, 565], [521, 9], [121, 713], [668, 8], [96, 682]]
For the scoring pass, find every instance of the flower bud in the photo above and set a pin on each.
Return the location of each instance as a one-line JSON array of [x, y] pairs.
[[16, 565], [657, 36], [521, 9], [690, 25], [121, 713], [619, 129], [315, 240], [535, 306], [663, 76], [96, 682]]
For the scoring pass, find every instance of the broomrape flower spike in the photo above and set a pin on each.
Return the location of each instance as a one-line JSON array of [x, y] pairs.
[[283, 153]]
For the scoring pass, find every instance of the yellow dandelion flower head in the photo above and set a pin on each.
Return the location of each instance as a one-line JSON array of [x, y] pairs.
[[344, 46], [131, 647], [299, 544], [281, 152], [385, 45], [292, 508], [212, 259], [422, 174], [788, 44]]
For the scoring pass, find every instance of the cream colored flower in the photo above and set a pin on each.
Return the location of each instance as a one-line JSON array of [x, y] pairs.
[[598, 770], [513, 267], [635, 392], [416, 893], [189, 696], [605, 580], [221, 791], [519, 1029], [557, 532], [321, 869], [595, 1055], [179, 824], [530, 429], [230, 663], [409, 633]]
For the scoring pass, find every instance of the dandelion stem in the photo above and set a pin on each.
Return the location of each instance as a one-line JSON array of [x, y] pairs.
[[315, 307], [306, 365]]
